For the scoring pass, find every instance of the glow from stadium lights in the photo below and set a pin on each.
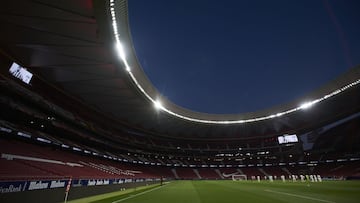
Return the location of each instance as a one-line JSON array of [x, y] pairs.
[[121, 52], [307, 105], [24, 134], [76, 149], [158, 104], [43, 140], [3, 129]]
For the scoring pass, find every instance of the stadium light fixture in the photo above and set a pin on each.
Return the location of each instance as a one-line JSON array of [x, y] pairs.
[[158, 104], [24, 134], [76, 149], [307, 105], [43, 140], [120, 50]]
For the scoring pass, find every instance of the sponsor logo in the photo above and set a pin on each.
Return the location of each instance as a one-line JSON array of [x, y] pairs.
[[10, 188], [102, 182], [18, 186], [230, 174], [128, 180], [98, 182], [57, 184], [91, 182], [37, 185]]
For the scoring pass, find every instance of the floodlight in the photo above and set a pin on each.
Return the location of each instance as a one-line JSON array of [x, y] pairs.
[[120, 50], [306, 105], [158, 104]]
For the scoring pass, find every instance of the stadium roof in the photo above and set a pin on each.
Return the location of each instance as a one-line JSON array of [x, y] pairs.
[[243, 56], [72, 46]]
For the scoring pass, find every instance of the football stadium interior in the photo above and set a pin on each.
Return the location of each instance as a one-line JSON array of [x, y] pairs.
[[81, 122]]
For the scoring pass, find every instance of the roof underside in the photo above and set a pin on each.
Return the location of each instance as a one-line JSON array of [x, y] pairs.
[[69, 46]]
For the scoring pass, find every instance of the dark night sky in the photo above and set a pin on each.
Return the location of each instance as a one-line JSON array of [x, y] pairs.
[[243, 55]]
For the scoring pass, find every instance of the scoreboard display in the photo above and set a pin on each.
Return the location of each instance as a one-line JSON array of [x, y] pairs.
[[287, 139], [20, 73]]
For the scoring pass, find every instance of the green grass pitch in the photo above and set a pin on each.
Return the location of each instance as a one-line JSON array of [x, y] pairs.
[[234, 191]]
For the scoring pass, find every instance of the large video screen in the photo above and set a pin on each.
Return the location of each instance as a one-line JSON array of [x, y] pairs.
[[287, 139], [21, 73]]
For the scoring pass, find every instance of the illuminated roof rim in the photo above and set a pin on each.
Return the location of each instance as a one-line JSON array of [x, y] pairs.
[[122, 55]]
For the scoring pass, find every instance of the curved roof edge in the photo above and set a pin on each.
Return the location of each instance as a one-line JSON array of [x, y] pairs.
[[118, 17]]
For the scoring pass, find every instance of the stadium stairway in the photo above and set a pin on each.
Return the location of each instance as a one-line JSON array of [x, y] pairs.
[[263, 172], [175, 173], [286, 171], [197, 173], [219, 173]]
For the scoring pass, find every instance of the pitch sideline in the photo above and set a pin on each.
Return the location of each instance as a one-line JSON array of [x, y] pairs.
[[141, 193], [300, 196]]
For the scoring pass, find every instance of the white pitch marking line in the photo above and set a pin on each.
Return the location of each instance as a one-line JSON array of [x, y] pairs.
[[300, 196], [141, 193]]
